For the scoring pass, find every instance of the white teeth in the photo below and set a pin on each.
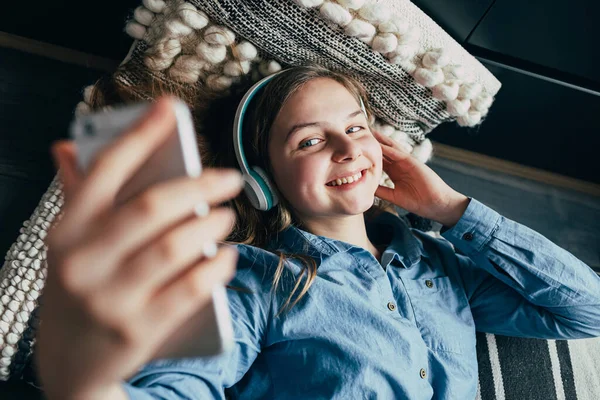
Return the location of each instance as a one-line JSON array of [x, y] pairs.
[[343, 181]]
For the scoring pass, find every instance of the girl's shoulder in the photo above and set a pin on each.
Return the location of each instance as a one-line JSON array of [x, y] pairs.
[[259, 266], [255, 255], [255, 265]]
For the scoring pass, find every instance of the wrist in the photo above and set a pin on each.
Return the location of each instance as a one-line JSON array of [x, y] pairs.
[[453, 211]]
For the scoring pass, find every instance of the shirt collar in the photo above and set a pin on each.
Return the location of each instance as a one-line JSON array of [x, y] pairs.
[[404, 245], [384, 228]]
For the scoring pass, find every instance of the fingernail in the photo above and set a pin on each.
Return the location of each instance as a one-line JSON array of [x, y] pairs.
[[209, 249], [201, 209]]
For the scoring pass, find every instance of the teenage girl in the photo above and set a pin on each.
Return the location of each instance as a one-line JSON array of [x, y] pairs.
[[332, 297]]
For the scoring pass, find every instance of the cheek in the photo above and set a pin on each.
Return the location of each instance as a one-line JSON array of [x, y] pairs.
[[308, 170], [300, 181], [304, 174], [293, 177], [376, 155], [373, 149]]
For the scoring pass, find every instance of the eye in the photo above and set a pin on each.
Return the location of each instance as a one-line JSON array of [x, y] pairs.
[[354, 129], [307, 142]]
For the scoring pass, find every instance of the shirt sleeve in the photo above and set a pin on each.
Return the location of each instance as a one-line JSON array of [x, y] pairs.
[[519, 283], [207, 377]]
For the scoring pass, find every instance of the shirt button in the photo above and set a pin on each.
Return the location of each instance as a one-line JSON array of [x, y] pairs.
[[423, 373], [391, 306], [429, 283], [468, 236]]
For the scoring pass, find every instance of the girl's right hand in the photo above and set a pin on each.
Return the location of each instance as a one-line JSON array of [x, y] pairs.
[[121, 279]]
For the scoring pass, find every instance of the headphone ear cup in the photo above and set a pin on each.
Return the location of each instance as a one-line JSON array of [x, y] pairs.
[[254, 191], [269, 187]]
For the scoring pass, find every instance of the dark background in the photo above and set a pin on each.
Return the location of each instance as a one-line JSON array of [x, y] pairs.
[[534, 121]]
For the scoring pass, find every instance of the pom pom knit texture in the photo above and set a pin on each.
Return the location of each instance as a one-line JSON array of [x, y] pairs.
[[413, 71], [416, 77], [22, 279]]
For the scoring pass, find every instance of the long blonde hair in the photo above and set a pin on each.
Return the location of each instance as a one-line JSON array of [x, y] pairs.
[[213, 116]]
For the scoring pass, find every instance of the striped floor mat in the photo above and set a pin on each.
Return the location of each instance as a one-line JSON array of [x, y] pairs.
[[534, 369]]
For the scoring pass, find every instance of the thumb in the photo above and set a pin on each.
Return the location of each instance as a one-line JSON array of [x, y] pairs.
[[64, 155], [385, 193]]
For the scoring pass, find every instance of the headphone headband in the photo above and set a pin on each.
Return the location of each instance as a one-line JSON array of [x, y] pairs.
[[239, 119]]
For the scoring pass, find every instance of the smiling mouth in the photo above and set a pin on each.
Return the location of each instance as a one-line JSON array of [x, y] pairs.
[[347, 181]]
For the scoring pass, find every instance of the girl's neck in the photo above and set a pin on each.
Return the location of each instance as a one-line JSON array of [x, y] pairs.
[[349, 229]]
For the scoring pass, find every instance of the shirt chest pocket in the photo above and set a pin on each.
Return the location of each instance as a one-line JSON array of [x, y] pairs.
[[442, 314]]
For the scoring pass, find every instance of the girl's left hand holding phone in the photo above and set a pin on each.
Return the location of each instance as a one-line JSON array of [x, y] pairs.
[[417, 188]]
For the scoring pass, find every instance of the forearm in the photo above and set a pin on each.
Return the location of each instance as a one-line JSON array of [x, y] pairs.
[[453, 211], [541, 272]]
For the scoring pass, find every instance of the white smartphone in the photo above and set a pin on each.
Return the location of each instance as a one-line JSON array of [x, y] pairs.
[[209, 331]]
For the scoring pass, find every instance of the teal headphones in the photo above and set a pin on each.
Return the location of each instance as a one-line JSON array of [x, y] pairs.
[[258, 187]]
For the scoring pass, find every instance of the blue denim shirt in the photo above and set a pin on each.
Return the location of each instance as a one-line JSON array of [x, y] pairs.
[[402, 328]]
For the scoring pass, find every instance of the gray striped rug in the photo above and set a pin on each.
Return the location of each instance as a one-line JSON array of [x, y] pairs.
[[535, 369]]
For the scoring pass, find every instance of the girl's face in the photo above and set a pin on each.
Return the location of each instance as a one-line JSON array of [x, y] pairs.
[[320, 135]]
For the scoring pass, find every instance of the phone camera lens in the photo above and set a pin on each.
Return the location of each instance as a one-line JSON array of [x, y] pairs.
[[88, 128]]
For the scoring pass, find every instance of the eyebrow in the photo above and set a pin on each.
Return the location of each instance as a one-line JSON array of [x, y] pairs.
[[297, 127]]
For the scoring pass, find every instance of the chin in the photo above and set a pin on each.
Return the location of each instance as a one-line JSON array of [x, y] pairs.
[[359, 207], [341, 210]]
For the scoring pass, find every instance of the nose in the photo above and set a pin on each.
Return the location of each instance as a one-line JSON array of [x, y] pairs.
[[345, 148]]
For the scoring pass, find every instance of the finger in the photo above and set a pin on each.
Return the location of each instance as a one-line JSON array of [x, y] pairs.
[[393, 154], [166, 257], [385, 193], [176, 301], [399, 145], [382, 138], [141, 219], [116, 163]]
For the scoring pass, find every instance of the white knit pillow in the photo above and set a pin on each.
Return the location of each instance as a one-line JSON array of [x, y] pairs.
[[416, 75]]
